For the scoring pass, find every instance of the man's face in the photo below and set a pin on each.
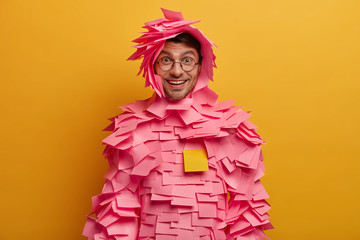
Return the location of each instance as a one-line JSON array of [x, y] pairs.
[[176, 82]]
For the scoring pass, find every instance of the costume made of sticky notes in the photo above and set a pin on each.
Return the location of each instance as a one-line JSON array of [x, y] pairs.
[[173, 163]]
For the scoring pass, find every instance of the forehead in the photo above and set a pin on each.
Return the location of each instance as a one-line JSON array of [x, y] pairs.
[[178, 49]]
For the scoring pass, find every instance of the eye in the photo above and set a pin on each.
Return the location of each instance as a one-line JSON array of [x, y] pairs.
[[188, 61], [165, 60]]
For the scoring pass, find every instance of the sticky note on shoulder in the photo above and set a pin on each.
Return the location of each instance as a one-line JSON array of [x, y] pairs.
[[195, 160]]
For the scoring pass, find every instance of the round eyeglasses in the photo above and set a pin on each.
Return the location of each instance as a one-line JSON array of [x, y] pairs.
[[187, 64]]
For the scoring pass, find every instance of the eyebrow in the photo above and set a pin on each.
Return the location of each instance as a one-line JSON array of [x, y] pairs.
[[187, 52]]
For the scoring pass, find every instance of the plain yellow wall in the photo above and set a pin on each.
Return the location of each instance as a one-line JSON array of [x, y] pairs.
[[294, 64]]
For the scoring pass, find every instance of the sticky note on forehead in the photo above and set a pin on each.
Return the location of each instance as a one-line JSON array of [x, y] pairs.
[[195, 160]]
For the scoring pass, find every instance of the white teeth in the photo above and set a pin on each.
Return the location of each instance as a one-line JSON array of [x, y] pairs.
[[176, 82]]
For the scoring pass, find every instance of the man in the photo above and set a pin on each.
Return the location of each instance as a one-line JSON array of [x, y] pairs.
[[182, 164], [179, 65]]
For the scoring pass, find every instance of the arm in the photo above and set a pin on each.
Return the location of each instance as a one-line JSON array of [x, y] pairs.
[[242, 167], [247, 216], [116, 208]]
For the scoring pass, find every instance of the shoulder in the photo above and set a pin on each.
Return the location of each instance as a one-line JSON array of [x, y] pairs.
[[227, 117], [126, 124]]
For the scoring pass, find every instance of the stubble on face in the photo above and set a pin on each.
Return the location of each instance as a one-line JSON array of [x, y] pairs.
[[177, 83]]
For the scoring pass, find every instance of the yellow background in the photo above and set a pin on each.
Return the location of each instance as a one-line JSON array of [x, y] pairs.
[[294, 64]]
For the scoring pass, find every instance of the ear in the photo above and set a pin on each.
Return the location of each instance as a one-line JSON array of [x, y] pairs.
[[199, 69]]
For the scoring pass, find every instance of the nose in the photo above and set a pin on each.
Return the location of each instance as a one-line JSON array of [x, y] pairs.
[[176, 70]]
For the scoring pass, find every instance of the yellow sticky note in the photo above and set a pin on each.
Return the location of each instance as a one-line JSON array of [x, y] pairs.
[[195, 160]]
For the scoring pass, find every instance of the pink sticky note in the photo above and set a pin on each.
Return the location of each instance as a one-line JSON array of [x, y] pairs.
[[90, 227], [167, 136], [190, 116], [165, 167], [206, 188], [209, 175], [184, 132], [168, 217], [178, 170], [262, 217], [183, 201], [207, 210], [126, 199], [165, 237], [253, 220], [206, 132], [125, 160], [192, 178], [184, 191], [220, 106], [230, 166], [158, 108], [232, 179], [172, 15], [143, 168], [202, 197], [120, 180], [159, 126], [174, 120], [218, 188], [221, 204], [259, 191], [184, 222], [157, 197], [171, 159], [139, 152], [123, 212], [113, 140], [209, 147], [111, 172], [109, 219], [142, 134], [261, 195], [204, 232], [239, 225], [209, 111], [167, 179], [164, 228], [234, 120], [255, 159], [163, 190], [146, 230], [169, 145], [203, 222], [126, 126], [127, 226], [186, 234], [148, 219]]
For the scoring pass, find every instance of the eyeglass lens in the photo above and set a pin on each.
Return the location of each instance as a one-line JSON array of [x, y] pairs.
[[187, 64]]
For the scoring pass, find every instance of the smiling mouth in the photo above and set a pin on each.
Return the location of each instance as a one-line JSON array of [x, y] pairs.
[[176, 82]]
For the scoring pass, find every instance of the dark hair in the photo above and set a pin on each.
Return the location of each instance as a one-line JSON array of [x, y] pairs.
[[189, 40]]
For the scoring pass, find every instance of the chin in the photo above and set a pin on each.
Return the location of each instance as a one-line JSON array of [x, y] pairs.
[[176, 95], [175, 98]]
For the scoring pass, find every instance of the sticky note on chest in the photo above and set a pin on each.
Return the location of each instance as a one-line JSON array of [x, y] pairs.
[[195, 160]]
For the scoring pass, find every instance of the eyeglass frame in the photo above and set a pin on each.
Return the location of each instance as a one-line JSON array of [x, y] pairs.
[[173, 62]]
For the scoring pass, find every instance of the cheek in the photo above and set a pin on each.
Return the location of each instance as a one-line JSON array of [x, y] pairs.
[[193, 82], [196, 75], [158, 71]]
